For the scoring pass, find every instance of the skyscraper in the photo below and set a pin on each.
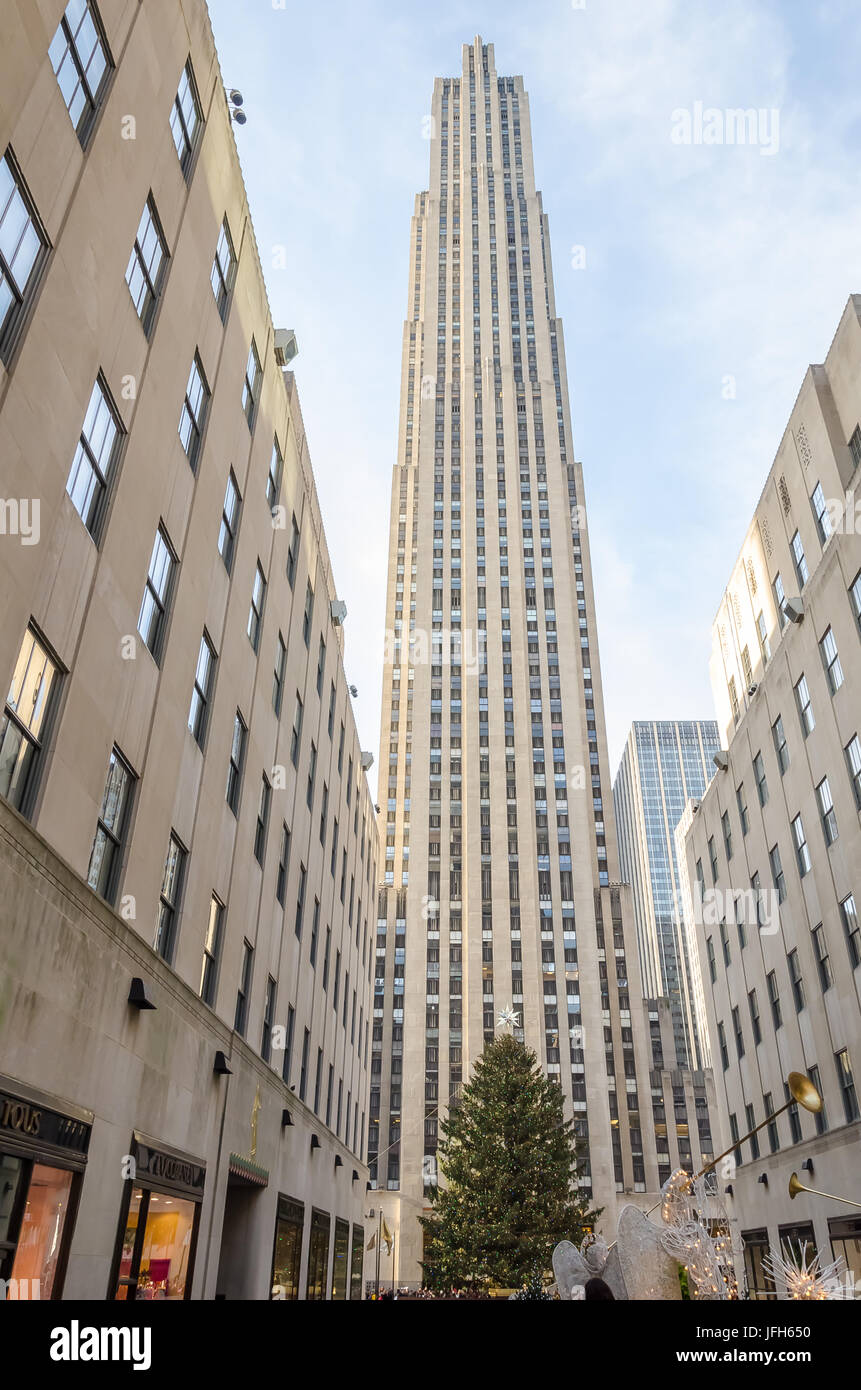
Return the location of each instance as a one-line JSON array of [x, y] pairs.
[[665, 763], [501, 871]]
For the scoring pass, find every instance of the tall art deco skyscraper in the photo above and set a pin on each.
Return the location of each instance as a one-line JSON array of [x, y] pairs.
[[501, 868]]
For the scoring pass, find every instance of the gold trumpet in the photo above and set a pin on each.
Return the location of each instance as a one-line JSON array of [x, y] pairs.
[[801, 1092], [795, 1187]]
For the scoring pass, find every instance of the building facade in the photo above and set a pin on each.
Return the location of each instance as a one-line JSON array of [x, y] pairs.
[[774, 848], [665, 763], [187, 841], [501, 877]]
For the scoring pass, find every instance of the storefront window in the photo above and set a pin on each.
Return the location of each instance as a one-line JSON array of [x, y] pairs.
[[154, 1260], [760, 1285], [318, 1255], [846, 1242], [40, 1237], [340, 1257], [288, 1250], [357, 1259]]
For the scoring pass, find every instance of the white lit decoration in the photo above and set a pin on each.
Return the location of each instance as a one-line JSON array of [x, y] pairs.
[[699, 1236], [806, 1279], [508, 1017]]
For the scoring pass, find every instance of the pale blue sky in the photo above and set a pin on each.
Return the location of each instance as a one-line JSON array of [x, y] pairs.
[[701, 262]]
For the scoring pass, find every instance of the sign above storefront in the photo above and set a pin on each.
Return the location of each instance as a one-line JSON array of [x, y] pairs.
[[168, 1168], [30, 1118]]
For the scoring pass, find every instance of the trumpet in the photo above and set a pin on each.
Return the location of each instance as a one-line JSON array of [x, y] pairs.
[[796, 1186]]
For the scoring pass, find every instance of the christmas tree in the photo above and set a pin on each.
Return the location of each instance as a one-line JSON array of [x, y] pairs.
[[508, 1157]]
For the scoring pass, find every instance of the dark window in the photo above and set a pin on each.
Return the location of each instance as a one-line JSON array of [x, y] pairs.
[[229, 522], [198, 714], [193, 414], [211, 953], [223, 270], [152, 619], [268, 1020], [81, 62], [145, 270], [237, 760], [186, 120], [243, 993], [251, 385], [170, 899], [112, 828]]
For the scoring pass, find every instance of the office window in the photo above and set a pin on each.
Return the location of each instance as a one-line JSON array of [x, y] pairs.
[[741, 803], [229, 522], [185, 119], [760, 778], [255, 612], [855, 594], [169, 899], [296, 736], [283, 864], [749, 1124], [211, 952], [273, 477], [724, 1051], [251, 385], [293, 552], [23, 248], [849, 916], [802, 852], [321, 665], [268, 1020], [112, 828], [329, 1086], [713, 859], [764, 644], [303, 1072], [198, 715], [308, 615], [773, 1137], [315, 932], [152, 619], [799, 560], [793, 1116], [853, 763], [243, 993], [727, 834], [753, 1005], [341, 751], [774, 999], [194, 409], [831, 661], [262, 820], [288, 1044], [855, 445], [780, 601], [820, 1117], [312, 772], [823, 962], [145, 270], [847, 1085], [25, 721], [795, 979], [95, 458], [223, 270], [826, 811], [805, 708], [300, 902], [318, 1082], [777, 873], [237, 759], [324, 812], [820, 511], [780, 745], [278, 677], [332, 698], [737, 1030], [711, 959], [81, 62], [326, 955]]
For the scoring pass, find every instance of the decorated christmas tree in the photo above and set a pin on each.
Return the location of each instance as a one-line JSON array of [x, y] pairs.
[[507, 1156]]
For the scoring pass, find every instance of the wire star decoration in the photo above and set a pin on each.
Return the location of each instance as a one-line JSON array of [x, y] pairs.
[[508, 1017]]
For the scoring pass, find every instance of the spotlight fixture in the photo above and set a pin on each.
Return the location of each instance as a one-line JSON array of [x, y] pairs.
[[138, 996], [315, 1142], [286, 1119], [220, 1066], [235, 101], [763, 1178], [339, 1162]]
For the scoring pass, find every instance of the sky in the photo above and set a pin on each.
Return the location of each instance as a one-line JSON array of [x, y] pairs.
[[710, 274]]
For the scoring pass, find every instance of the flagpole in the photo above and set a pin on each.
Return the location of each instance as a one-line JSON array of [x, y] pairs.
[[379, 1237], [394, 1247]]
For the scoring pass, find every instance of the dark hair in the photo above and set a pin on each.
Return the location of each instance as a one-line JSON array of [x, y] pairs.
[[596, 1290]]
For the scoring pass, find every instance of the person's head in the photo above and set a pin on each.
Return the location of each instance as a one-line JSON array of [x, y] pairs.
[[597, 1291]]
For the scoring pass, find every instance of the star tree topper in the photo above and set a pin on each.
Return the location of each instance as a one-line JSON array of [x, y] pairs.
[[508, 1018]]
